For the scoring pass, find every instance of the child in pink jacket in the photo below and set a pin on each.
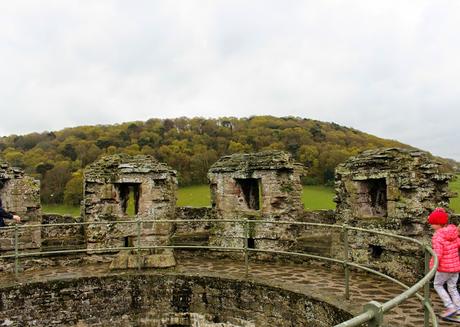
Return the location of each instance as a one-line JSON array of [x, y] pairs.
[[445, 243]]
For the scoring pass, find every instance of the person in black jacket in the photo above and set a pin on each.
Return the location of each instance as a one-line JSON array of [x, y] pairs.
[[7, 215]]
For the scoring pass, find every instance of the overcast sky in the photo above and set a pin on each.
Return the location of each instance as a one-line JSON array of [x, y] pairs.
[[389, 68]]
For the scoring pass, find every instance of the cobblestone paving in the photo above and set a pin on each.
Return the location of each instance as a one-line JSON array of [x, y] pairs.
[[322, 279], [363, 287]]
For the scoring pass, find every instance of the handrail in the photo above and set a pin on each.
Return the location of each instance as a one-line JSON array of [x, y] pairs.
[[411, 291], [373, 311]]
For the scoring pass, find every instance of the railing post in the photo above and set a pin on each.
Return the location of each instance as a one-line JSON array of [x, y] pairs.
[[376, 308], [16, 250], [426, 291], [138, 245], [345, 261], [246, 254]]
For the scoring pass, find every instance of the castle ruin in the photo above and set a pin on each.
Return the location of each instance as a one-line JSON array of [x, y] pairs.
[[129, 198], [20, 194], [264, 186], [391, 190], [128, 188]]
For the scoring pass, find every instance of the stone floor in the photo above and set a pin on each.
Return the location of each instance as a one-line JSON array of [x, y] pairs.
[[322, 280]]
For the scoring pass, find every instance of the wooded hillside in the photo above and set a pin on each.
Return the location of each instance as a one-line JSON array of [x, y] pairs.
[[189, 145]]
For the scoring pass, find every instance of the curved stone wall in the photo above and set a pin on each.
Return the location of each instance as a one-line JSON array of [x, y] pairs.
[[162, 301]]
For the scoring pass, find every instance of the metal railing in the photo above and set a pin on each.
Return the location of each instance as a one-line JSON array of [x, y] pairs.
[[373, 312]]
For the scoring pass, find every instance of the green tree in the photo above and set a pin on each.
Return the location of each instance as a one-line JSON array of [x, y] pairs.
[[54, 182], [14, 157], [188, 145], [73, 193], [133, 149], [237, 147], [69, 151]]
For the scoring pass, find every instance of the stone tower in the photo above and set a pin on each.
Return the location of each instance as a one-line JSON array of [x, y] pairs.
[[123, 187], [20, 195], [391, 186], [263, 185], [393, 190]]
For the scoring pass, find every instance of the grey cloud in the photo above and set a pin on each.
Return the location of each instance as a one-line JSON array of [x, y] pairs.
[[384, 67]]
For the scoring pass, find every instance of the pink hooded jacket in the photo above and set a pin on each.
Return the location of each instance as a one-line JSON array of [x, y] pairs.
[[445, 243]]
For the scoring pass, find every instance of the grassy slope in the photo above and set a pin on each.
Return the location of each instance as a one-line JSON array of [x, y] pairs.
[[313, 197]]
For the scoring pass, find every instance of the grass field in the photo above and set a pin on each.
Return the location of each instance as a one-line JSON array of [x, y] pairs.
[[313, 197], [455, 203], [194, 196], [316, 197], [61, 209]]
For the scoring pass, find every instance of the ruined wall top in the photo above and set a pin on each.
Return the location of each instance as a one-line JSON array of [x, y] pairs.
[[8, 172], [109, 168], [397, 187], [249, 162], [373, 163], [124, 187], [20, 195]]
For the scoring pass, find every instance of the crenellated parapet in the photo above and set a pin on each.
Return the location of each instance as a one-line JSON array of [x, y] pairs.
[[391, 190], [264, 185], [390, 186], [128, 188], [20, 195]]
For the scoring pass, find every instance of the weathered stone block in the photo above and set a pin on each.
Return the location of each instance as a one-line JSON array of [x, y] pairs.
[[155, 240], [318, 243], [162, 228], [160, 261], [134, 261], [6, 244], [120, 261]]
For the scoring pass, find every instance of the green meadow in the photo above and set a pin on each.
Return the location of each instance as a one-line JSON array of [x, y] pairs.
[[194, 196], [314, 197], [455, 187], [61, 209]]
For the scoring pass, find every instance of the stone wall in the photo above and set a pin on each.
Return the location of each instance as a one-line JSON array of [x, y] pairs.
[[126, 188], [263, 185], [164, 301], [66, 237], [296, 238], [391, 190], [394, 186], [20, 195], [316, 240], [191, 232]]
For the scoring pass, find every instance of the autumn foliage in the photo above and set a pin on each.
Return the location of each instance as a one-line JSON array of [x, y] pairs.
[[189, 145]]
